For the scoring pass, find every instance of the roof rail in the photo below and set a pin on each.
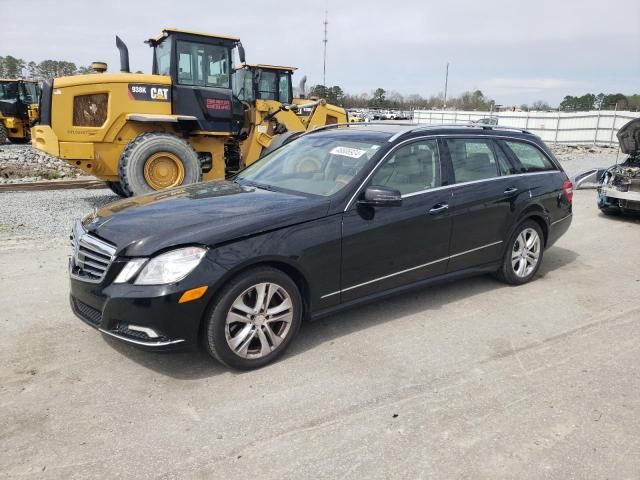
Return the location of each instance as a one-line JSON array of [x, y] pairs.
[[414, 127]]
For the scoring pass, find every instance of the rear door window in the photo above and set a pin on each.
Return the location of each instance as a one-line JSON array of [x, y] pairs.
[[472, 159], [531, 159]]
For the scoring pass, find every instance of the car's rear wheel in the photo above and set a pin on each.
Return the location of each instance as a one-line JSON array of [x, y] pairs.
[[523, 255], [254, 319]]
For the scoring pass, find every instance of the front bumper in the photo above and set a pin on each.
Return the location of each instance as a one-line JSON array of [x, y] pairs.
[[147, 316], [612, 197]]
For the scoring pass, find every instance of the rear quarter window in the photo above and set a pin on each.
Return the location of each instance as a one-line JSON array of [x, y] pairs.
[[530, 158]]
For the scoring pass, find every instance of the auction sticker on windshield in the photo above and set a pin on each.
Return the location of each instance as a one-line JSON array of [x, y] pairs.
[[348, 152]]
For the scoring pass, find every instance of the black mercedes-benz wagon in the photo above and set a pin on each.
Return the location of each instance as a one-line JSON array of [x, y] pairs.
[[337, 217]]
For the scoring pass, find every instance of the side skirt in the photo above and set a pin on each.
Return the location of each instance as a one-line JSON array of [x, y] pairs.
[[444, 278]]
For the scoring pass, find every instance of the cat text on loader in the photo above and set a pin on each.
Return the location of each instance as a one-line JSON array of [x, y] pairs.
[[140, 132], [275, 117], [18, 109]]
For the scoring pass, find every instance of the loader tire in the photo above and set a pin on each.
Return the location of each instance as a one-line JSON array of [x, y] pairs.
[[3, 134], [116, 188], [157, 160]]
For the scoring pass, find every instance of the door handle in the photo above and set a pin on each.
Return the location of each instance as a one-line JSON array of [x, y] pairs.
[[510, 191], [439, 208]]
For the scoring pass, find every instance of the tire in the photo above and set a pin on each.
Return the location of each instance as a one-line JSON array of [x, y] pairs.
[[20, 141], [240, 339], [153, 147], [3, 134], [513, 271], [610, 211], [116, 188]]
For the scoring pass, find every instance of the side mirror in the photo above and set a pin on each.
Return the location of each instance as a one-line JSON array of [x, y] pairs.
[[377, 196], [241, 53]]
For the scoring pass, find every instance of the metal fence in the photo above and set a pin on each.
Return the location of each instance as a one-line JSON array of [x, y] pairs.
[[594, 127]]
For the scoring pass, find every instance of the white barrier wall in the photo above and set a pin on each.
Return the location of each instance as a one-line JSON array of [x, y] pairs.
[[596, 127]]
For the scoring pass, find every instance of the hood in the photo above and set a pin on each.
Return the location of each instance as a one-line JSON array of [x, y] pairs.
[[629, 137], [206, 213]]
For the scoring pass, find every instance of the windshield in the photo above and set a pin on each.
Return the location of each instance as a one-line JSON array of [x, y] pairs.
[[8, 90], [315, 164], [163, 58], [32, 93], [243, 84]]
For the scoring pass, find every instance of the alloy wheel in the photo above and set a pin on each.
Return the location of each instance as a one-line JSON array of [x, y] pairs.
[[259, 320], [525, 253]]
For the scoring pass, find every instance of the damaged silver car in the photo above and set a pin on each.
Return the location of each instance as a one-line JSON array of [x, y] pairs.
[[619, 186]]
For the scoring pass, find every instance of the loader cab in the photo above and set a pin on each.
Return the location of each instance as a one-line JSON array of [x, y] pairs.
[[200, 66], [263, 82], [16, 97]]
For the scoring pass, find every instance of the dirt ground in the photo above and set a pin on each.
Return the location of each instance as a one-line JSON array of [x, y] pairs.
[[473, 379]]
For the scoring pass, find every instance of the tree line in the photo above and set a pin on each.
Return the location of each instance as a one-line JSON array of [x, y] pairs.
[[381, 98], [12, 67], [589, 101]]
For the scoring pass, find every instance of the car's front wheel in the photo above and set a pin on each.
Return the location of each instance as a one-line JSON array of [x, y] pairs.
[[254, 319], [523, 255]]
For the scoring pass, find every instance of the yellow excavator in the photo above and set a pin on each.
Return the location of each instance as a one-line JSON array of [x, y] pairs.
[[196, 117], [18, 109]]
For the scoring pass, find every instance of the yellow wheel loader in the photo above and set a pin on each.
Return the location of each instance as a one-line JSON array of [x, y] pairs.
[[18, 109], [179, 125], [275, 117]]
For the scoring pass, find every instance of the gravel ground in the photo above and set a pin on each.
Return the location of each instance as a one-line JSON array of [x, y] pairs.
[[49, 214], [23, 163]]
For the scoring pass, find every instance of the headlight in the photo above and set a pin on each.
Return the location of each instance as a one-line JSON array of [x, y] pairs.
[[129, 270], [170, 267]]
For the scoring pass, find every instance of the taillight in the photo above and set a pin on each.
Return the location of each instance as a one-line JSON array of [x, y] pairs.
[[567, 189]]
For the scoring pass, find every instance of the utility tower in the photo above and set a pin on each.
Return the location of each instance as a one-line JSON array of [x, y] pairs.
[[325, 40]]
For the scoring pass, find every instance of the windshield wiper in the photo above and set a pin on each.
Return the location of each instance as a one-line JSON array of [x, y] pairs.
[[261, 186]]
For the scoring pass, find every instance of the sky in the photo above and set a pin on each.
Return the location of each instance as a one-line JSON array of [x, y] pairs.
[[514, 51]]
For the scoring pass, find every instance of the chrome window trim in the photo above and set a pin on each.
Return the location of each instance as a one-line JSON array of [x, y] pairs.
[[411, 269], [452, 135], [478, 181]]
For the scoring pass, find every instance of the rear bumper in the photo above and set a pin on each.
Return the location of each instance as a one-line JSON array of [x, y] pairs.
[[558, 228], [43, 138]]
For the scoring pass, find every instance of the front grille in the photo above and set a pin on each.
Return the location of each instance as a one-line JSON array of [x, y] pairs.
[[91, 256], [88, 313]]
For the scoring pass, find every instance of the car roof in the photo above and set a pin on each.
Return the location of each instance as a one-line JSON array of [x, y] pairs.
[[395, 131]]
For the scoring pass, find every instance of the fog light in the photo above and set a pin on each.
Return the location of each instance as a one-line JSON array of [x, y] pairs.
[[149, 332], [193, 294]]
